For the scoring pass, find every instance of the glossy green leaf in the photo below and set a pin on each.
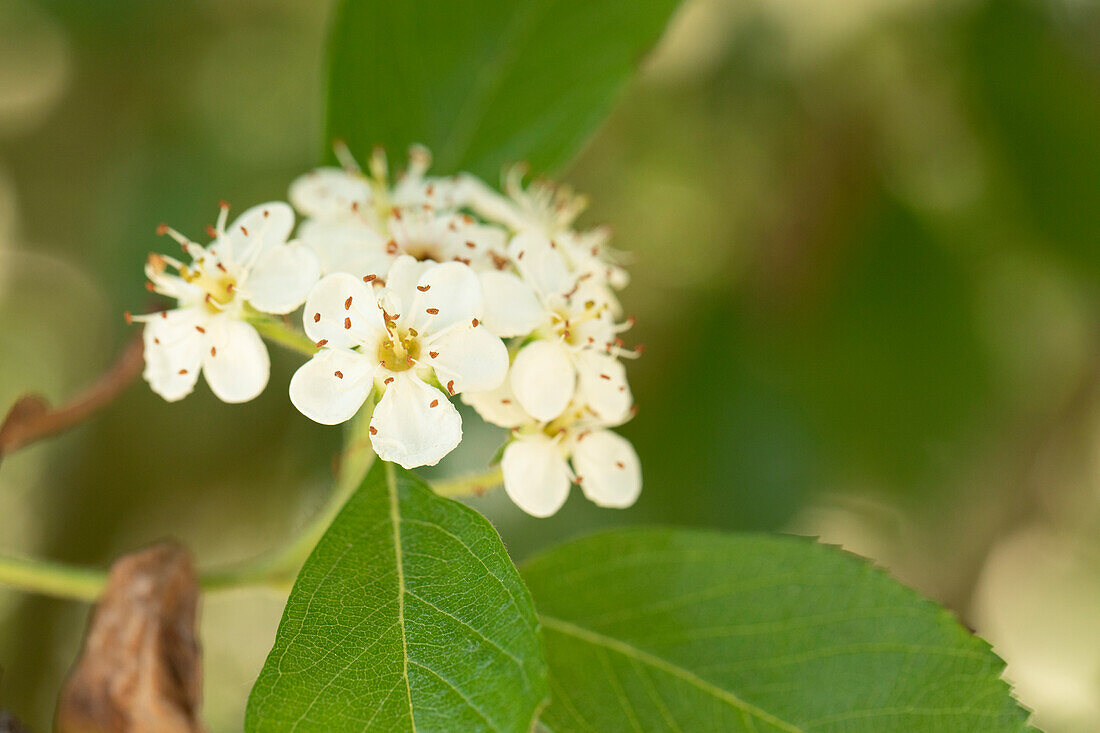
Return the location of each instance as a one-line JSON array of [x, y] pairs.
[[681, 630], [407, 616], [484, 83]]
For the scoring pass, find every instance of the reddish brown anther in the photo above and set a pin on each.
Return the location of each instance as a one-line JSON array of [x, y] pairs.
[[338, 374]]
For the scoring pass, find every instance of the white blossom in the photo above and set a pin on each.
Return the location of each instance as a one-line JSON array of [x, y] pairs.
[[574, 349], [250, 267], [544, 458], [421, 330]]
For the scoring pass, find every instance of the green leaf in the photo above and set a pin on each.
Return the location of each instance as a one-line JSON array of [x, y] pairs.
[[407, 616], [682, 630], [484, 83]]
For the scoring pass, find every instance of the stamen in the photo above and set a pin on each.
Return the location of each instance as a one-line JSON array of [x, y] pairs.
[[200, 329], [316, 317], [347, 304], [347, 323], [387, 380], [373, 430], [244, 230], [435, 403], [432, 311], [475, 322], [369, 278], [213, 351], [619, 464], [433, 354], [183, 371], [606, 376], [471, 245], [451, 386], [321, 343], [338, 374], [423, 288], [129, 318]]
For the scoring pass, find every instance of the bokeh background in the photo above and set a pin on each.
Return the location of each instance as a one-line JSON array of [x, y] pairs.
[[866, 241]]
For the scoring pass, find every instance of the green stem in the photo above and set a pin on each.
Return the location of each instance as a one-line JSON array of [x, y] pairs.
[[51, 579], [278, 332], [474, 485], [277, 568]]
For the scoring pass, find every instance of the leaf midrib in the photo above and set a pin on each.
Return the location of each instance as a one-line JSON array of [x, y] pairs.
[[395, 519], [634, 653]]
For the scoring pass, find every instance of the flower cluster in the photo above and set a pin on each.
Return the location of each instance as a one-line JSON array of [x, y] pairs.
[[415, 291]]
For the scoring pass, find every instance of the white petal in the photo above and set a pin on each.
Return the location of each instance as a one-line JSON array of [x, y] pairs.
[[608, 469], [329, 192], [540, 263], [511, 307], [328, 313], [446, 295], [324, 397], [401, 280], [543, 379], [499, 406], [282, 278], [346, 246], [235, 364], [255, 230], [602, 385], [536, 476], [408, 430], [467, 358], [173, 352]]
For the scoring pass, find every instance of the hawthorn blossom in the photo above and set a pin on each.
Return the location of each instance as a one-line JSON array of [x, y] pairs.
[[250, 267], [551, 210], [421, 330], [575, 345], [543, 459]]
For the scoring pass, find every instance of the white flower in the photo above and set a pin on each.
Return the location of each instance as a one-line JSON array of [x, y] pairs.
[[574, 354], [422, 327], [543, 206], [248, 267], [536, 462], [550, 209]]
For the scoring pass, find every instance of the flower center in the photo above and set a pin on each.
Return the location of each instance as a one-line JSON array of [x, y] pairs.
[[400, 352], [565, 323], [220, 288]]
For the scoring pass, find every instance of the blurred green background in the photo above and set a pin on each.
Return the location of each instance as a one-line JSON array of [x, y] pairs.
[[866, 241]]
